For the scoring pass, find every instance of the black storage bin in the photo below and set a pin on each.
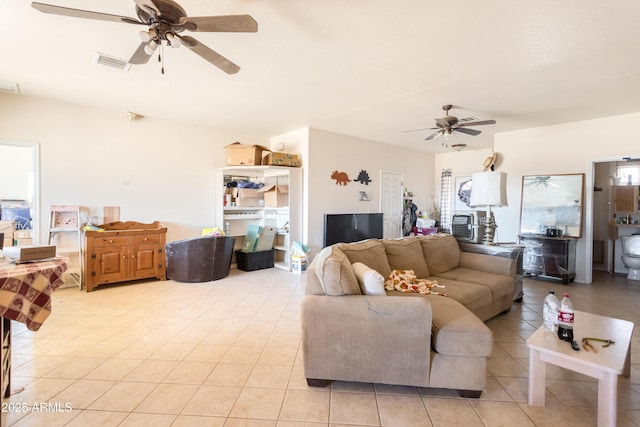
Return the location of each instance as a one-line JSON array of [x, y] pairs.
[[199, 259], [250, 261]]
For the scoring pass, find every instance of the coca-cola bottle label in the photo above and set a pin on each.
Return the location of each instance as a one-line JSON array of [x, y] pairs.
[[565, 317]]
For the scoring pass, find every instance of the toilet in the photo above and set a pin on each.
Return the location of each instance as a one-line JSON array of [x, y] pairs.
[[631, 255]]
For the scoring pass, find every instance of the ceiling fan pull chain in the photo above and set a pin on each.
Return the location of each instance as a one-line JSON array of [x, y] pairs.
[[161, 58]]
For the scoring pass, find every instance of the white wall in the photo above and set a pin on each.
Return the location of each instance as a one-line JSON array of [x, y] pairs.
[[161, 170], [297, 142], [330, 152], [565, 148], [153, 169], [15, 172]]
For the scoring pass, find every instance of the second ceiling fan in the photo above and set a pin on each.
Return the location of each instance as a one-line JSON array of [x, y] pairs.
[[447, 125]]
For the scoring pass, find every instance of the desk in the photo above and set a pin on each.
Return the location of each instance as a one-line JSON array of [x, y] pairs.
[[605, 365], [25, 296]]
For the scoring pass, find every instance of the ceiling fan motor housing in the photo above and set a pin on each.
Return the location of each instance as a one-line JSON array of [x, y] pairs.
[[165, 22]]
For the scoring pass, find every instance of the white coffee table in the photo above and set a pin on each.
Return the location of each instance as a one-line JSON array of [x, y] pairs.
[[605, 365]]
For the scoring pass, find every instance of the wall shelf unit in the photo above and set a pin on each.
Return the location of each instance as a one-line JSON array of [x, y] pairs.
[[285, 220]]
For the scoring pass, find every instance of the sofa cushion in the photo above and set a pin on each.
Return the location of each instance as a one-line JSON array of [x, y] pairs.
[[335, 274], [472, 295], [456, 331], [498, 284], [369, 252], [371, 282], [441, 252], [406, 254], [496, 265]]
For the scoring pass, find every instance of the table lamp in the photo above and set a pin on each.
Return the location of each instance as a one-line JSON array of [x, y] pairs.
[[489, 189]]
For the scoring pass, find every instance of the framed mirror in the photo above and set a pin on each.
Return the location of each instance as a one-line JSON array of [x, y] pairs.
[[552, 205]]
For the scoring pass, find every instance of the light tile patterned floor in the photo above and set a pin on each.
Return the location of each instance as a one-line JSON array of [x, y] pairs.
[[227, 353]]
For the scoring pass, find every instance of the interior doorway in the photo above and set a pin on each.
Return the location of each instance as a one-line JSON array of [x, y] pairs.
[[603, 250], [20, 177], [391, 203]]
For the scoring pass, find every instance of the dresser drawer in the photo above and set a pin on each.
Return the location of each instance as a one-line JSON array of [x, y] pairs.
[[101, 242], [145, 240]]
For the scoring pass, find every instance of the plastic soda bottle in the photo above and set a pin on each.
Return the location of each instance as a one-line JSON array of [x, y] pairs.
[[565, 319]]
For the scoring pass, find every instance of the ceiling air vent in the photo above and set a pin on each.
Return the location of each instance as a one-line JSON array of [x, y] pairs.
[[9, 87], [110, 61], [467, 119]]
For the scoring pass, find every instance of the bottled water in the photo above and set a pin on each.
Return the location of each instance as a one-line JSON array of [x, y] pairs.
[[550, 312]]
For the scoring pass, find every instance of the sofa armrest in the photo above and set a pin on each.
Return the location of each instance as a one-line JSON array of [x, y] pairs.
[[380, 339], [488, 263]]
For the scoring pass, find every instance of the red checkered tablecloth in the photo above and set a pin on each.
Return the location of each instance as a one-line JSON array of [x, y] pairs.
[[25, 290]]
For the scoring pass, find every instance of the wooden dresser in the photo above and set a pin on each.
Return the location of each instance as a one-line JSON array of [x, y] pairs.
[[124, 251]]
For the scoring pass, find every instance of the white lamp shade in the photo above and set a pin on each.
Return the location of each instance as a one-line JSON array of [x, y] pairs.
[[488, 189]]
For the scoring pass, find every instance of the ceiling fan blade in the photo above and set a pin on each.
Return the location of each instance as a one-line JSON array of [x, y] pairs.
[[418, 130], [478, 123], [78, 13], [140, 56], [148, 6], [473, 132], [210, 55], [433, 135], [225, 23]]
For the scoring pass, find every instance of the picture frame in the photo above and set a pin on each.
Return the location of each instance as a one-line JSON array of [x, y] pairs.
[[462, 193]]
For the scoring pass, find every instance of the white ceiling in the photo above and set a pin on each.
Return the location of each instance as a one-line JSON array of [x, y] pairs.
[[369, 69]]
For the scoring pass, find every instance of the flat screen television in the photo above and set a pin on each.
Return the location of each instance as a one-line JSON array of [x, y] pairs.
[[352, 227]]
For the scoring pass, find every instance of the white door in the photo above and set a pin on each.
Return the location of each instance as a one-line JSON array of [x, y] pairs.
[[391, 203]]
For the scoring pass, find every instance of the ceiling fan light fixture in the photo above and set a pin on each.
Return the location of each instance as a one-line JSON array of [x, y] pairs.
[[150, 48], [173, 40], [146, 36], [459, 147]]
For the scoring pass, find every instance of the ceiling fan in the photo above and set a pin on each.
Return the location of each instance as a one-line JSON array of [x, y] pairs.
[[166, 20], [447, 125]]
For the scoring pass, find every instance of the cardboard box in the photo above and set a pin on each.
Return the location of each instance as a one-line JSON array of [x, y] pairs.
[[282, 159], [245, 155], [248, 197], [23, 234], [7, 229], [30, 253], [275, 196], [23, 242]]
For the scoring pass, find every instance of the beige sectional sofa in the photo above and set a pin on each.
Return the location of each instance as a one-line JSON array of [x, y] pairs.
[[403, 338]]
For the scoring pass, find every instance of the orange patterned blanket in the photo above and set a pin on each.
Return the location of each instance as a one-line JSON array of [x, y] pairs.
[[406, 281]]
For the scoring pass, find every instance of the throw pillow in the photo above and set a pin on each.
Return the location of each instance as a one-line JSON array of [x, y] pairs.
[[406, 254], [369, 252], [441, 252], [371, 282], [335, 273]]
